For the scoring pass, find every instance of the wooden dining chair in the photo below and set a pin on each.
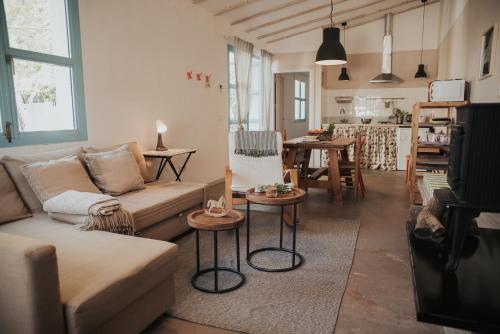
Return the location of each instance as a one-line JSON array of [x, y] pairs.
[[352, 169]]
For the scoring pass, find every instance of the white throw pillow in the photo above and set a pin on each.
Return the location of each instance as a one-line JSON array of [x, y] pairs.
[[115, 172], [51, 178]]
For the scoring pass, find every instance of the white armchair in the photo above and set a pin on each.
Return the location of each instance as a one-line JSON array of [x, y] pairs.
[[245, 172]]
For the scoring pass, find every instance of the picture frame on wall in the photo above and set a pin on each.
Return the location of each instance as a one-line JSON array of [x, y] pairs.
[[488, 48]]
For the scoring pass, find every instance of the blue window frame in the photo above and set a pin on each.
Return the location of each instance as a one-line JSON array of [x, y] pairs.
[[41, 80]]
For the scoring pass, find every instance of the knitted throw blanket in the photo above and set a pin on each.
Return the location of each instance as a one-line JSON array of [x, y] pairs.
[[256, 143], [90, 211]]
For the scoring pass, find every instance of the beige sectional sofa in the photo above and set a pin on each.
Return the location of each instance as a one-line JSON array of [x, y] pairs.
[[55, 278]]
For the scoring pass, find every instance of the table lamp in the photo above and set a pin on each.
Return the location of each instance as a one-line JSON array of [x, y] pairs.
[[160, 128]]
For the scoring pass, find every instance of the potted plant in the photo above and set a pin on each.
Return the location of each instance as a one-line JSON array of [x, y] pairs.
[[399, 115], [328, 134]]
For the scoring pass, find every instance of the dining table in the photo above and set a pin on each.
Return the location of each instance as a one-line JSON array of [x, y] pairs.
[[333, 147]]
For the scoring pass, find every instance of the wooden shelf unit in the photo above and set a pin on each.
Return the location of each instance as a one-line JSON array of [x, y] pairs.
[[415, 145]]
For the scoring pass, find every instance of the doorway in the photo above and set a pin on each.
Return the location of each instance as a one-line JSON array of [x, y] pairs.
[[292, 103]]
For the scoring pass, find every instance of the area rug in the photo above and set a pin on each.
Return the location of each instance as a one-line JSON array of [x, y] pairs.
[[305, 300]]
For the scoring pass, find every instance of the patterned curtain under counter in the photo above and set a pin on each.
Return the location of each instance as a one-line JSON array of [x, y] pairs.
[[380, 149]]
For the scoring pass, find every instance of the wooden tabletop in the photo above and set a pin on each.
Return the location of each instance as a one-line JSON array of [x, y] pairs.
[[171, 152], [295, 196], [338, 143], [201, 221]]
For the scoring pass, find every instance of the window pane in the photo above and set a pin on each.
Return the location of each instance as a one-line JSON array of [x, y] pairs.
[[38, 25], [297, 109], [297, 88], [302, 109], [44, 96], [303, 90]]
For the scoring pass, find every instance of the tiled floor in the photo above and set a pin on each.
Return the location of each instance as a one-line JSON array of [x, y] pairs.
[[379, 296]]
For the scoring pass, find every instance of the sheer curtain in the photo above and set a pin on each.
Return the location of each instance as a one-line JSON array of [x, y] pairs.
[[266, 109], [243, 64]]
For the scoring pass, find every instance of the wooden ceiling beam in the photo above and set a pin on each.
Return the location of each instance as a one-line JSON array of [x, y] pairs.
[[289, 17], [381, 15], [268, 11], [234, 6], [322, 18]]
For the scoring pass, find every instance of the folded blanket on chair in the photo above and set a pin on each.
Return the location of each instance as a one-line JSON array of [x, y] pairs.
[[90, 211], [256, 143]]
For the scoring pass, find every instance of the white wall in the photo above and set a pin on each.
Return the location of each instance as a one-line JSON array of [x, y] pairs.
[[135, 55], [462, 24]]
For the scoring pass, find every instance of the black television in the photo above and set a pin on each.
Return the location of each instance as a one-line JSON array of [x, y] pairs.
[[474, 161]]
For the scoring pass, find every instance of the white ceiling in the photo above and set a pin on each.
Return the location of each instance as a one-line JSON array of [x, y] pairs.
[[270, 22]]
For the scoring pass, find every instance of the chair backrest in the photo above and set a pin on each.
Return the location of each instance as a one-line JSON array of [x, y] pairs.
[[360, 141], [249, 172]]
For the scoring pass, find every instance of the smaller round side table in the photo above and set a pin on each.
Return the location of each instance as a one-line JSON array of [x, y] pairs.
[[199, 220]]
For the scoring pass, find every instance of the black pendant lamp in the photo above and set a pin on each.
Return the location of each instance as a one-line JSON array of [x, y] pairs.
[[343, 72], [331, 51], [421, 72]]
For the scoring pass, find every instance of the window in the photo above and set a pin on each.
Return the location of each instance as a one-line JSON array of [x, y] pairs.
[[41, 98], [253, 122], [300, 100]]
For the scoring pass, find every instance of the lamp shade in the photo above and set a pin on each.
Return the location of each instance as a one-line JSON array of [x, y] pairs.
[[160, 126], [421, 72], [331, 51], [343, 75]]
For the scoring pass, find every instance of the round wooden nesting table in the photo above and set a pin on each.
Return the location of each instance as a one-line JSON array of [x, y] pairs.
[[291, 199], [199, 220]]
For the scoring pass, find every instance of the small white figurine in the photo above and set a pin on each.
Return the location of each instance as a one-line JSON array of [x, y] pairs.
[[216, 208]]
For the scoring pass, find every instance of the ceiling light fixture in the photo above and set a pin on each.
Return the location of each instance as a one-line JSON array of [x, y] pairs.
[[331, 51], [343, 74], [421, 72]]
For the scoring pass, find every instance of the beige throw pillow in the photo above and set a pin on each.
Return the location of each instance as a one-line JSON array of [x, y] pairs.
[[12, 206], [51, 178], [115, 172], [13, 165], [133, 148]]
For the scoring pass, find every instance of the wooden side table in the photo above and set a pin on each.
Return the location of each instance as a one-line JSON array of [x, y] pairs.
[[166, 157], [296, 196], [199, 220]]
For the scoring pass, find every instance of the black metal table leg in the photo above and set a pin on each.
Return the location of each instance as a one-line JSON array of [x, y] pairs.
[[216, 269], [295, 255], [238, 248], [294, 233], [161, 167], [183, 166], [216, 274], [197, 251], [281, 226], [248, 229], [172, 166]]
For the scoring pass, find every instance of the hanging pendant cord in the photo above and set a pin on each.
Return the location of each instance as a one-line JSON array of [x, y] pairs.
[[331, 13], [422, 39]]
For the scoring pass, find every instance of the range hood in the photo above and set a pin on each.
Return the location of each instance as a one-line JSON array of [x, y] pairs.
[[387, 76]]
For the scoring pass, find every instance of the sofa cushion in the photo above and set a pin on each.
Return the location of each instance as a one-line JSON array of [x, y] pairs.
[[14, 162], [11, 204], [161, 200], [51, 178], [115, 172], [135, 149], [100, 273]]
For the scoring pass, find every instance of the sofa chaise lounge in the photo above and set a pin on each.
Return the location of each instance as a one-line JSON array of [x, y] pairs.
[[57, 279]]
